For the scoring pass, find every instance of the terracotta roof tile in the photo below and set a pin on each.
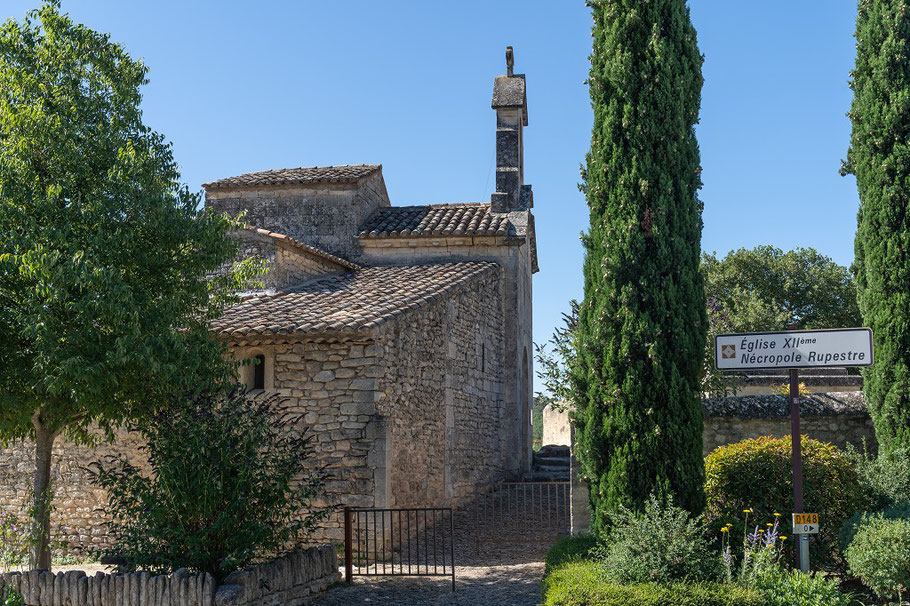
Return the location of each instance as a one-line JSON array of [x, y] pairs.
[[350, 302], [288, 176], [436, 220], [317, 252]]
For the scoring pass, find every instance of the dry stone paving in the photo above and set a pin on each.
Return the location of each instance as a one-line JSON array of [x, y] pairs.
[[485, 575]]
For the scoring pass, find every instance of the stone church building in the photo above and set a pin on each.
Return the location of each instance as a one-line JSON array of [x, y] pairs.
[[401, 333]]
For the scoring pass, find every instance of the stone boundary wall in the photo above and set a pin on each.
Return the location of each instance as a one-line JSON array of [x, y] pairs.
[[290, 581], [77, 519], [840, 418]]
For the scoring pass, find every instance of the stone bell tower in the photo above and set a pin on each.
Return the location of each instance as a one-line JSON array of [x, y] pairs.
[[511, 104]]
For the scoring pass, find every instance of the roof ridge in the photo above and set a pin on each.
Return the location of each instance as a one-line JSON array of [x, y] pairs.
[[437, 220], [338, 173], [307, 247]]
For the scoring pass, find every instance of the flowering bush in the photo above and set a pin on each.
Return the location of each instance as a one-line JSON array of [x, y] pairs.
[[760, 569], [760, 551], [14, 542], [757, 474]]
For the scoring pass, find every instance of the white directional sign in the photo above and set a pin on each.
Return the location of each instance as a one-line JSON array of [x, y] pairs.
[[794, 349], [805, 523]]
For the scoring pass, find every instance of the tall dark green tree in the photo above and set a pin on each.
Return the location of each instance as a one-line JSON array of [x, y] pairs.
[[879, 156], [642, 323], [106, 263]]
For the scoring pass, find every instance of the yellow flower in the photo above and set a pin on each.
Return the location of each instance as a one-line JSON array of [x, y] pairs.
[[761, 531], [782, 537], [725, 529], [747, 511], [769, 524], [729, 525], [776, 515]]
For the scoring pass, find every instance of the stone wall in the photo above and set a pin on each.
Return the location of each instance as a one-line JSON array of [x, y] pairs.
[[442, 395], [76, 520], [556, 426], [326, 215], [514, 256], [292, 580], [288, 264], [840, 418], [333, 387]]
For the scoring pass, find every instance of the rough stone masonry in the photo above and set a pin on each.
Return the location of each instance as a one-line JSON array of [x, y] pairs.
[[402, 334]]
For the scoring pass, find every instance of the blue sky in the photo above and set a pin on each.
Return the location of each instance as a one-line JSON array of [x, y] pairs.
[[243, 86]]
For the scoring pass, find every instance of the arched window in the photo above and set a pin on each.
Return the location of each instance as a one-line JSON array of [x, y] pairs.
[[259, 372]]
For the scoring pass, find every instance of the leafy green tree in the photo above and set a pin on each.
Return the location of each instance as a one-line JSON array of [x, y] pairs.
[[879, 157], [554, 360], [765, 288], [104, 301], [642, 324]]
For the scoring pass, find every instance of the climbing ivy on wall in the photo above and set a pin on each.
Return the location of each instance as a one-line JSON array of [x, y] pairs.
[[879, 156], [642, 323]]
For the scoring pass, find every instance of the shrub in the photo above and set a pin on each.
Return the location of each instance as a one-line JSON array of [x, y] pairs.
[[792, 587], [879, 555], [582, 583], [849, 528], [231, 482], [757, 474], [659, 545], [886, 477]]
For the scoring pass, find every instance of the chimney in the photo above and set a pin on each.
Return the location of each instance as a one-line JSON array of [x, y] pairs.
[[511, 104]]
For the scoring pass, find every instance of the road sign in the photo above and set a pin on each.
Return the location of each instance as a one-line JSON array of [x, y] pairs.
[[794, 349], [805, 523]]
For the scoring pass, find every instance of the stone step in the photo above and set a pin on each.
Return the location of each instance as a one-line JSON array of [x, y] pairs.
[[546, 476], [552, 461], [552, 468]]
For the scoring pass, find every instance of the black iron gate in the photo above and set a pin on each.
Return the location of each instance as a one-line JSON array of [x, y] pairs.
[[522, 512], [416, 541]]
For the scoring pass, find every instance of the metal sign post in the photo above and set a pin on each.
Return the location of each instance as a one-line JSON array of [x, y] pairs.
[[794, 349], [802, 540]]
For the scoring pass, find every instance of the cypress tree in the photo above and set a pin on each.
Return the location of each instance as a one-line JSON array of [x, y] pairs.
[[642, 324], [879, 156]]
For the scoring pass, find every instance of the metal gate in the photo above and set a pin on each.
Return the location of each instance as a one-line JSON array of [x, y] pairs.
[[416, 541], [522, 512]]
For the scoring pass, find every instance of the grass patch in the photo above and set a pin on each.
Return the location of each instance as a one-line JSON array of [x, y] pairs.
[[580, 583], [570, 549]]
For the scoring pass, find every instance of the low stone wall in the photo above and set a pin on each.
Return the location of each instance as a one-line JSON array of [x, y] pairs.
[[840, 418], [289, 581], [292, 580]]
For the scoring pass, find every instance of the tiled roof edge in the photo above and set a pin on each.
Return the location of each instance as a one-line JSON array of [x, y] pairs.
[[306, 247], [235, 181]]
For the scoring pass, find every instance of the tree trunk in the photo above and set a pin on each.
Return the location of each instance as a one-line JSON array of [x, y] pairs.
[[41, 521]]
